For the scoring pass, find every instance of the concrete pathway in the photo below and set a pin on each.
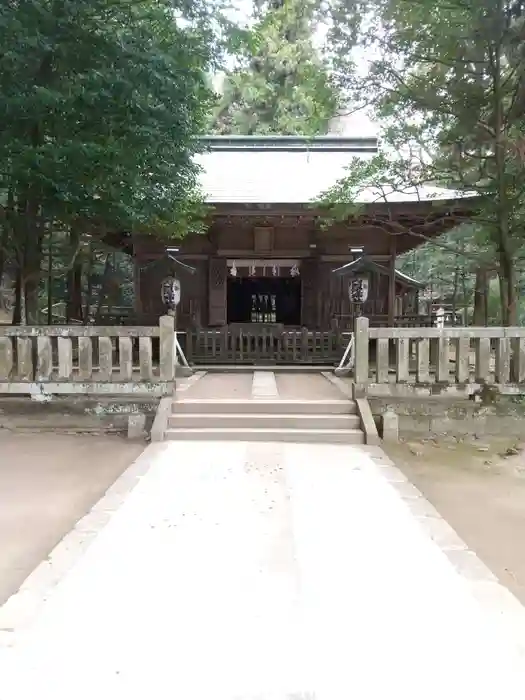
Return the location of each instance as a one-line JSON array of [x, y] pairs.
[[307, 386], [235, 571]]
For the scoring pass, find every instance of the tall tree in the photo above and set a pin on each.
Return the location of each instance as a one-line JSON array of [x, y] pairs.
[[100, 102], [448, 83], [281, 83]]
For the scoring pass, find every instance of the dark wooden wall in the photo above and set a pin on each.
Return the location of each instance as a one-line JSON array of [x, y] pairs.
[[203, 294]]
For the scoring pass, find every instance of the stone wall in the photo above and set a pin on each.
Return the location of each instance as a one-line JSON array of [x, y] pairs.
[[461, 417], [108, 414]]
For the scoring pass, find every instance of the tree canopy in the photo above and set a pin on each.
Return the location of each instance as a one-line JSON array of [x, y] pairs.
[[100, 106], [281, 83], [447, 81]]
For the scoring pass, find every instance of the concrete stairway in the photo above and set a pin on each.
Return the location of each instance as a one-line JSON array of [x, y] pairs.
[[269, 420]]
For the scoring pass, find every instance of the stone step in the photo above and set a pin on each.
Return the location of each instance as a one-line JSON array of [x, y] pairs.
[[304, 421], [242, 368], [353, 437], [262, 406]]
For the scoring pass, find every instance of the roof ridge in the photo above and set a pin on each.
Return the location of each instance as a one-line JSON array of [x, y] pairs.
[[280, 142]]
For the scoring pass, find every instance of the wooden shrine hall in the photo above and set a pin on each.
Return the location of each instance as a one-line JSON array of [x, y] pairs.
[[268, 282]]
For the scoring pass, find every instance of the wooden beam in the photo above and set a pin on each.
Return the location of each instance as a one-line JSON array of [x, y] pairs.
[[252, 255]]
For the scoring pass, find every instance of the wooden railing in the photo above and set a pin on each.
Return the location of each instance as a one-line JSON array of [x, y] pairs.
[[438, 356], [263, 345], [88, 359], [347, 321], [406, 321]]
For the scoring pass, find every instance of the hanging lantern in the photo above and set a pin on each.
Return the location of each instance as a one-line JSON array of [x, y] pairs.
[[295, 271], [358, 290], [275, 270], [233, 269], [170, 292], [252, 271]]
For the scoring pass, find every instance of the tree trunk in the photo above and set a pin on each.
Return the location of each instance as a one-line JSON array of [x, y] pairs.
[[455, 292], [30, 300], [31, 274], [480, 317], [89, 289], [74, 309], [103, 286], [4, 243], [466, 299], [32, 261], [507, 285], [3, 248], [502, 231], [50, 277], [17, 307]]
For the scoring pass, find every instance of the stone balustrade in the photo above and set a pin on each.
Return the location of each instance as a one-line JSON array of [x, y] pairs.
[[88, 359], [389, 358]]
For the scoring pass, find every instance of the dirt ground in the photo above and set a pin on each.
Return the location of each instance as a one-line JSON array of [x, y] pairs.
[[478, 486], [47, 483]]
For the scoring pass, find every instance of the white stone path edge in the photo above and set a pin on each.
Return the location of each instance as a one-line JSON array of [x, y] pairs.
[[496, 601], [501, 607]]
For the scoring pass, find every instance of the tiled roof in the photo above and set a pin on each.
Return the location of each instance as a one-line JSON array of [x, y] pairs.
[[289, 170]]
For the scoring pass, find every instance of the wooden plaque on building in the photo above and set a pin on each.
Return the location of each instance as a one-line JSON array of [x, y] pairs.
[[263, 239]]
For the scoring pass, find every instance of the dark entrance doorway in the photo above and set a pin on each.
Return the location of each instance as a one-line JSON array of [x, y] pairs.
[[264, 300]]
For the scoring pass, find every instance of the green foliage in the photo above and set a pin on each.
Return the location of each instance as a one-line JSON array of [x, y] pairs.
[[448, 267], [447, 82], [100, 106], [281, 84]]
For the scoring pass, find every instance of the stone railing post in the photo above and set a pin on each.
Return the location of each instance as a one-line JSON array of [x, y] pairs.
[[361, 347], [167, 348]]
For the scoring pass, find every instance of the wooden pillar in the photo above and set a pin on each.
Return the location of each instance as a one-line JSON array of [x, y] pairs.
[[309, 292], [143, 266], [218, 275], [392, 282]]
